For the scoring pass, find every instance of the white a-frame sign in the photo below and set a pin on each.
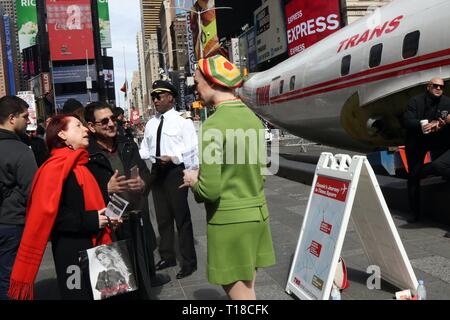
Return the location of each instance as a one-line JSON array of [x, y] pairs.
[[345, 187]]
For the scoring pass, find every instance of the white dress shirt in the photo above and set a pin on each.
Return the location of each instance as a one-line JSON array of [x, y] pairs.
[[178, 138]]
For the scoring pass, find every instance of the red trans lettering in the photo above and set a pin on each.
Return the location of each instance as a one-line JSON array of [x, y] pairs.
[[368, 35]]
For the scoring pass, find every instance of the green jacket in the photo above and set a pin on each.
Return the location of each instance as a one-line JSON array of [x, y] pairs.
[[230, 182]]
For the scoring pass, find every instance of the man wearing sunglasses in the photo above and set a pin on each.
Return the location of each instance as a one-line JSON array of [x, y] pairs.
[[432, 106], [111, 159], [167, 137]]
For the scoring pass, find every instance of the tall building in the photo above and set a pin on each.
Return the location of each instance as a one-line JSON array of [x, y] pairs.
[[150, 16], [9, 8], [152, 64], [166, 16], [142, 71], [136, 93], [179, 41], [152, 61], [359, 8], [3, 79]]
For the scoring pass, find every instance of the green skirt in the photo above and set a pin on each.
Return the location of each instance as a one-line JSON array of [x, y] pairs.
[[235, 250]]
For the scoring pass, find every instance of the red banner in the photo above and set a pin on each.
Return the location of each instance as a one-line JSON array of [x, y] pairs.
[[309, 21], [70, 30], [331, 188]]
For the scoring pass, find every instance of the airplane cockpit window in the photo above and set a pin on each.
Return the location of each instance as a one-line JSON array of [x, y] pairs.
[[281, 86], [345, 65], [292, 83], [375, 55], [411, 44]]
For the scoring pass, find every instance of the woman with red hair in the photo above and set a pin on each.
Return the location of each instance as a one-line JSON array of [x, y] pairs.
[[66, 205]]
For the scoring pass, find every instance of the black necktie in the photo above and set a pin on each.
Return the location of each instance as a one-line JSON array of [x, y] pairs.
[[158, 137]]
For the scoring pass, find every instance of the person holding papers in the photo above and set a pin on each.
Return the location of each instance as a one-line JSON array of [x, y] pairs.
[[116, 164], [170, 142], [66, 206]]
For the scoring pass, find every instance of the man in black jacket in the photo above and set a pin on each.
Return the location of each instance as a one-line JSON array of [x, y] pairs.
[[120, 119], [17, 169], [111, 159], [432, 106]]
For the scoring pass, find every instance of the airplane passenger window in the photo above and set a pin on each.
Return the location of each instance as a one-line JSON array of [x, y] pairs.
[[411, 44], [345, 65], [375, 55], [281, 86], [292, 83]]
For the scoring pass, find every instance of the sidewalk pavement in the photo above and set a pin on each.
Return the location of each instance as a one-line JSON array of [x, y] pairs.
[[425, 245]]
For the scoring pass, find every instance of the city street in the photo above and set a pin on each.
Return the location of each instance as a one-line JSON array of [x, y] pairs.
[[424, 243]]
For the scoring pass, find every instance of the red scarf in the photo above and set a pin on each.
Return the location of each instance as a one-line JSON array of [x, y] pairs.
[[42, 210]]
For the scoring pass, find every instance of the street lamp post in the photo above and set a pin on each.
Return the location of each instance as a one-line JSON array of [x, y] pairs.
[[199, 20]]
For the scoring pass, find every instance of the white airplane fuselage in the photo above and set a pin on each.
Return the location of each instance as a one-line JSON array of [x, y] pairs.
[[312, 95]]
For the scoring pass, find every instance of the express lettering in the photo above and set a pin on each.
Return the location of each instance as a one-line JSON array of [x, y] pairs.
[[295, 16], [368, 35], [313, 26]]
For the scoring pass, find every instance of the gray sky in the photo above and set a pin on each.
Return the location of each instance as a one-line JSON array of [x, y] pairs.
[[125, 19]]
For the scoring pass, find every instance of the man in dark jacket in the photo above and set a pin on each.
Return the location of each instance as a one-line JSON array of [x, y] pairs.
[[17, 169], [111, 160], [432, 106], [120, 119]]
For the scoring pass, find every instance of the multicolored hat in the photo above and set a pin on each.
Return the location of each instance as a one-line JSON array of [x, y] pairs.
[[219, 70]]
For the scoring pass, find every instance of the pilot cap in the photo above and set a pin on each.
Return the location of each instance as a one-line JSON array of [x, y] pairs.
[[161, 86], [219, 70]]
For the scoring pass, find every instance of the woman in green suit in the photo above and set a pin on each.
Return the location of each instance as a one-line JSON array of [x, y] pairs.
[[230, 182]]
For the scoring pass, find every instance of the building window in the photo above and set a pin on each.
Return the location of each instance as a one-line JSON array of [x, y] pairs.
[[281, 86], [375, 55], [411, 44], [292, 83], [345, 65]]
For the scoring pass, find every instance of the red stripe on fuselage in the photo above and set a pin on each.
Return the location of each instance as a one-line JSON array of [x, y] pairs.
[[383, 76], [426, 57]]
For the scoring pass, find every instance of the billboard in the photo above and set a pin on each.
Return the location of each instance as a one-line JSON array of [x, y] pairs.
[[28, 97], [9, 55], [70, 31], [40, 84], [26, 23], [270, 34], [309, 21], [74, 74], [3, 66], [84, 98], [31, 58], [190, 41], [252, 57], [104, 23], [247, 50], [234, 52], [208, 42]]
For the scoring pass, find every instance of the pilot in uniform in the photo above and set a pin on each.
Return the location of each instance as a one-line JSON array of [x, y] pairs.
[[167, 137]]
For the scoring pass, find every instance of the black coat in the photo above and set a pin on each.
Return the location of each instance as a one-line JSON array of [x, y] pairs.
[[72, 232], [422, 107], [17, 169], [102, 170]]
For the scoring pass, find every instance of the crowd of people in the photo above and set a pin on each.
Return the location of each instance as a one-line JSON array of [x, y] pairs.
[[55, 184], [59, 191]]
